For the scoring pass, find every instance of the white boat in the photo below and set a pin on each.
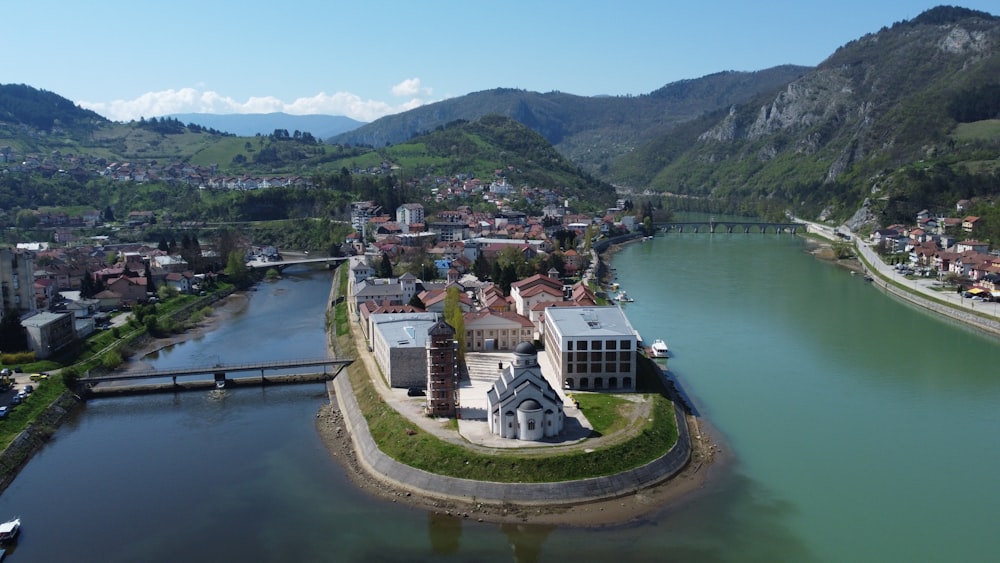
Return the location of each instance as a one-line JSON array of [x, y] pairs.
[[9, 530], [659, 349], [623, 297]]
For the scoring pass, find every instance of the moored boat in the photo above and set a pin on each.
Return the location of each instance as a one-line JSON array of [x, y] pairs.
[[659, 349], [9, 530], [623, 297]]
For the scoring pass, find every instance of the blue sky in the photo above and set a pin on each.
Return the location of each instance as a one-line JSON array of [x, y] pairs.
[[127, 59]]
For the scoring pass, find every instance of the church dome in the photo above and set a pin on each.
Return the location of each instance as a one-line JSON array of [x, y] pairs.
[[526, 349], [529, 405]]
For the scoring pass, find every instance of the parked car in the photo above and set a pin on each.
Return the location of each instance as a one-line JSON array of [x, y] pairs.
[[38, 376], [16, 399], [28, 389], [3, 411]]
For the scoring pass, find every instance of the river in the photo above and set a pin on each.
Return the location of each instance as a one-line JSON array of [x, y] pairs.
[[858, 428]]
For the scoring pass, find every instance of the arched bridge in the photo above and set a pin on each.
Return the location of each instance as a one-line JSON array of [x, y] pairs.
[[712, 226], [220, 371]]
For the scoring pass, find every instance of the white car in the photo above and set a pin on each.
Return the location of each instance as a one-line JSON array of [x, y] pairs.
[[3, 411]]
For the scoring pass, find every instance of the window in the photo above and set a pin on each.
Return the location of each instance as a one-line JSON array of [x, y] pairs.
[[624, 356], [569, 345], [597, 345], [626, 345], [581, 345], [610, 368], [598, 383], [595, 356], [531, 425], [610, 344], [569, 368], [584, 383], [626, 367], [581, 368]]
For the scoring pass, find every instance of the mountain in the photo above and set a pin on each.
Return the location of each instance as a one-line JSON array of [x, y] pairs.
[[900, 116], [252, 124], [591, 131]]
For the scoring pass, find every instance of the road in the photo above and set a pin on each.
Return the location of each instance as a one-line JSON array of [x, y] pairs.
[[921, 286]]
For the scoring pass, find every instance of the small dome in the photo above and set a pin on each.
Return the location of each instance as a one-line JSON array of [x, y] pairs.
[[529, 405], [526, 348]]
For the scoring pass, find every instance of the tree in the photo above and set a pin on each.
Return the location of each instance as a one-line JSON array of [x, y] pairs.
[[417, 302], [385, 267], [12, 334], [453, 316], [238, 272]]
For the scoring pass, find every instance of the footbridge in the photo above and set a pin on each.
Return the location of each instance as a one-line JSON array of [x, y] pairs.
[[220, 372], [712, 226], [280, 265]]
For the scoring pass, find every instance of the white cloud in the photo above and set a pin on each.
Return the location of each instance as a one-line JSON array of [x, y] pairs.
[[191, 100], [410, 87]]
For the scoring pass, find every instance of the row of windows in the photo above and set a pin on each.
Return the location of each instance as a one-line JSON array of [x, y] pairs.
[[598, 383], [599, 344], [624, 367], [598, 356]]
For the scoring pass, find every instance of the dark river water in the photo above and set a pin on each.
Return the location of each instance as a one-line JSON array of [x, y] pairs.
[[860, 429]]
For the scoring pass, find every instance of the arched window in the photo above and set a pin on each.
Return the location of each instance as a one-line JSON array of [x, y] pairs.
[[531, 424]]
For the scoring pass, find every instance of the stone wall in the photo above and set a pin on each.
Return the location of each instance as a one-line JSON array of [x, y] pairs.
[[32, 438]]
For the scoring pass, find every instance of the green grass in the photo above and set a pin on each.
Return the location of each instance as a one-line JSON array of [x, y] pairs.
[[985, 130], [603, 411], [46, 392]]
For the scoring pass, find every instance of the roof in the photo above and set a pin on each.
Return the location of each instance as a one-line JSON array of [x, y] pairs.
[[589, 321], [404, 330]]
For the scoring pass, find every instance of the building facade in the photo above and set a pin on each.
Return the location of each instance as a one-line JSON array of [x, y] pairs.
[[399, 343], [49, 332], [594, 348], [17, 282]]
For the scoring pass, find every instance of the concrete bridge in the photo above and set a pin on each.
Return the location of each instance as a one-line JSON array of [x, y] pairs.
[[280, 265], [713, 226], [219, 372]]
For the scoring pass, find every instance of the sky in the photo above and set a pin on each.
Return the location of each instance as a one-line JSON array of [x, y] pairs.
[[129, 59]]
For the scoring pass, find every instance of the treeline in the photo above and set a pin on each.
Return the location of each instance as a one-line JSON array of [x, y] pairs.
[[42, 110], [976, 104]]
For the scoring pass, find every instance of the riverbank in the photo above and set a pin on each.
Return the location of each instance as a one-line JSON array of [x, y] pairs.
[[229, 306]]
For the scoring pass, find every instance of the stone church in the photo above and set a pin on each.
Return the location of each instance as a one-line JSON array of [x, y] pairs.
[[521, 404]]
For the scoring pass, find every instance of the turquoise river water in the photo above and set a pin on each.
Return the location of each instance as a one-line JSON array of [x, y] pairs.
[[857, 428]]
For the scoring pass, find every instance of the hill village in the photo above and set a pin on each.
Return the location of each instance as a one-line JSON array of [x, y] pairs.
[[586, 343]]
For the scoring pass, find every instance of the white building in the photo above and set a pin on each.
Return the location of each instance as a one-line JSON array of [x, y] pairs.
[[521, 404], [409, 214], [399, 342], [594, 348]]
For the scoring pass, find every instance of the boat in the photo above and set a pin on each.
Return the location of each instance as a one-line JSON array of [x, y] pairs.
[[9, 530], [659, 349], [623, 297]]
